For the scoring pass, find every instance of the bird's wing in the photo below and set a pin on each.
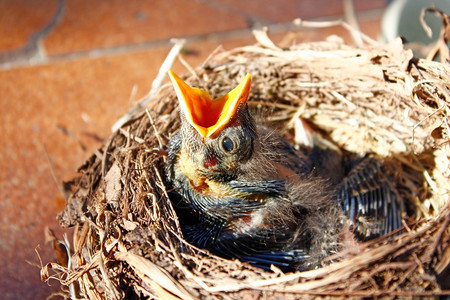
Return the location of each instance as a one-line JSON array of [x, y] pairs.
[[369, 200], [285, 260], [258, 247], [260, 250]]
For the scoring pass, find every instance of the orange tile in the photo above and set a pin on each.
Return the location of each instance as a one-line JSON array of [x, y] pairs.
[[88, 24], [21, 19], [269, 11], [362, 5]]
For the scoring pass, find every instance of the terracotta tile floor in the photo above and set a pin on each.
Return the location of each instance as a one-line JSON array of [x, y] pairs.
[[67, 69]]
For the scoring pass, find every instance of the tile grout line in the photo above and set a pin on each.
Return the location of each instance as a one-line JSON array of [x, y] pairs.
[[50, 26], [33, 50]]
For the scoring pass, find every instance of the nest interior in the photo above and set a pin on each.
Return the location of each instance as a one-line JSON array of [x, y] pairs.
[[376, 99]]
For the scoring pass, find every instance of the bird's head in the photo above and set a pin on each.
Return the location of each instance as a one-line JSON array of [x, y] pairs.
[[218, 134]]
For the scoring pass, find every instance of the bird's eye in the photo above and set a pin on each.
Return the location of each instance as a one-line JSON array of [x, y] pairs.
[[228, 144]]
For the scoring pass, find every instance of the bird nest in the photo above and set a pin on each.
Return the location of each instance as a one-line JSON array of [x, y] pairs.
[[375, 99]]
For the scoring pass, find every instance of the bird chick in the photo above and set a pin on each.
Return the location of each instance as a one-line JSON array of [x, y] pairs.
[[242, 191]]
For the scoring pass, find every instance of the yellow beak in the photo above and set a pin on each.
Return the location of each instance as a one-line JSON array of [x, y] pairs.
[[209, 117]]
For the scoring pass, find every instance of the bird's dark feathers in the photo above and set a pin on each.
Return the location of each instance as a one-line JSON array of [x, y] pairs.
[[270, 188], [369, 200]]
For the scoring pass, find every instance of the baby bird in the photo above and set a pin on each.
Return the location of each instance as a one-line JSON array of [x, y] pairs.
[[242, 191]]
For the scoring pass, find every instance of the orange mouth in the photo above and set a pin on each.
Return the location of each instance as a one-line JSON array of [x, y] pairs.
[[209, 117]]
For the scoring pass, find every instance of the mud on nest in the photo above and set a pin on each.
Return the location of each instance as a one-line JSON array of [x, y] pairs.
[[374, 99]]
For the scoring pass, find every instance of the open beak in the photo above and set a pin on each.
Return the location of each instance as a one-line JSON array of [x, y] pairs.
[[209, 117]]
